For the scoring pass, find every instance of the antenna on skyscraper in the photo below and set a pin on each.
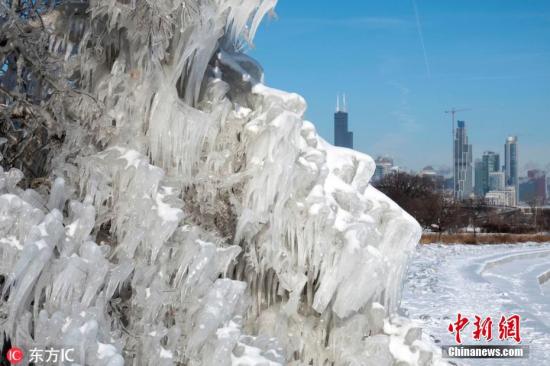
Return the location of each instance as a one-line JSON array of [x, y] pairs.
[[338, 102], [345, 106]]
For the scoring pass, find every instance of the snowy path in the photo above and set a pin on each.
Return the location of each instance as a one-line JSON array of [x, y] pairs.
[[484, 280]]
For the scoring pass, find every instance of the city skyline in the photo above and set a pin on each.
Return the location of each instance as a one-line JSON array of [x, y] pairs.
[[498, 66], [495, 184]]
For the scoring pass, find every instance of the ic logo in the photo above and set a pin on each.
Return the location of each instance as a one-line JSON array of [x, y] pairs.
[[15, 355]]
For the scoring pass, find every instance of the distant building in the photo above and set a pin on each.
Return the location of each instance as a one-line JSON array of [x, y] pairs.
[[479, 186], [489, 163], [448, 184], [428, 171], [526, 190], [444, 171], [342, 137], [506, 197], [497, 181], [434, 175], [511, 159], [539, 179], [492, 159], [384, 166], [463, 185], [533, 189]]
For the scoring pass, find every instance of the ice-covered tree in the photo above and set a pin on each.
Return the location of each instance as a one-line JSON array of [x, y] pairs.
[[184, 212]]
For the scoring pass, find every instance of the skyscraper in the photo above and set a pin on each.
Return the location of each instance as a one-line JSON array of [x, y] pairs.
[[342, 137], [511, 163], [489, 163], [462, 163], [479, 170], [497, 182], [492, 161]]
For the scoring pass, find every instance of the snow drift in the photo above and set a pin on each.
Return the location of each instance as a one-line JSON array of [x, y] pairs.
[[192, 216]]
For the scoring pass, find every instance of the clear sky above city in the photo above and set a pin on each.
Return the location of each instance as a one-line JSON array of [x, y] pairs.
[[401, 68]]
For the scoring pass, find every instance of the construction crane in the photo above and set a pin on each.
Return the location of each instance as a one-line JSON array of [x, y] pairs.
[[453, 112]]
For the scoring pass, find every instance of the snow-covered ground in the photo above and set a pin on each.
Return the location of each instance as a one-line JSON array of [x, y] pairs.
[[484, 280]]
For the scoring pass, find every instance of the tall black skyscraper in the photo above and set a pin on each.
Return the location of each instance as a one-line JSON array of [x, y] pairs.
[[342, 137]]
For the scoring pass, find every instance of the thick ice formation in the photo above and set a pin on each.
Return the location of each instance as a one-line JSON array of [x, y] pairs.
[[194, 217]]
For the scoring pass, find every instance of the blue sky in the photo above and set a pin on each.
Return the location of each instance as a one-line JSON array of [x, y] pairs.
[[401, 72]]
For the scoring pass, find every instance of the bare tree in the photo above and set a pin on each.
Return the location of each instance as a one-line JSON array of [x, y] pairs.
[[424, 199], [421, 197], [34, 86]]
